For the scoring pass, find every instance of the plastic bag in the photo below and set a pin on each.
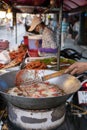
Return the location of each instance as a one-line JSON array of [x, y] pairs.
[[4, 57]]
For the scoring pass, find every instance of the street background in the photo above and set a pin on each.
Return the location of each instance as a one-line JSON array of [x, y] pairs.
[[10, 35]]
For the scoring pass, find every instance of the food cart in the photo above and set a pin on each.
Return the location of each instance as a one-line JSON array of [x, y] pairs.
[[44, 117]]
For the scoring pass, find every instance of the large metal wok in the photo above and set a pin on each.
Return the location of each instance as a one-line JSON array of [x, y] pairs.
[[68, 83]]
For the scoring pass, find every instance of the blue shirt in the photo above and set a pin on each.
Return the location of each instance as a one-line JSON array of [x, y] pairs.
[[64, 26]]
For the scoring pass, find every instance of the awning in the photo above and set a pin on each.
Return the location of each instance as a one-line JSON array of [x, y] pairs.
[[39, 6]]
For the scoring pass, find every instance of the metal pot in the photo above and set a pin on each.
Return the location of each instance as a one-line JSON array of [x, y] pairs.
[[68, 83]]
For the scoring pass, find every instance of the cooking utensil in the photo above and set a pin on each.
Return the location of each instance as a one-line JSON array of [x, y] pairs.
[[22, 79], [55, 74], [66, 82]]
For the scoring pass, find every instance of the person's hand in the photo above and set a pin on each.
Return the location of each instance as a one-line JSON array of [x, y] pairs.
[[77, 68]]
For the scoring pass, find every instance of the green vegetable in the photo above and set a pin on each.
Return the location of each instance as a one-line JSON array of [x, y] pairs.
[[48, 60], [66, 60], [53, 59]]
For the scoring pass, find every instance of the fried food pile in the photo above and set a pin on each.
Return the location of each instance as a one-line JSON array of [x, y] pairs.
[[20, 52], [16, 57], [35, 65]]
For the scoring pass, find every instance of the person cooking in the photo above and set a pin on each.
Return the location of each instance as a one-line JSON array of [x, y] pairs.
[[77, 68], [49, 45]]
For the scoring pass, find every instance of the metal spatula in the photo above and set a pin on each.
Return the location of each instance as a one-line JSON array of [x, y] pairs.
[[21, 77]]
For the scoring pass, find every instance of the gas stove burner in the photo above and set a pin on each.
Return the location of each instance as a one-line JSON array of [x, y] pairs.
[[36, 119]]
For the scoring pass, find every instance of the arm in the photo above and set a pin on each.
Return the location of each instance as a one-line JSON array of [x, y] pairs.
[[77, 68]]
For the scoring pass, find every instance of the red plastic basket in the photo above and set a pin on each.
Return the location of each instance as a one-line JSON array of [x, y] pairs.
[[33, 53]]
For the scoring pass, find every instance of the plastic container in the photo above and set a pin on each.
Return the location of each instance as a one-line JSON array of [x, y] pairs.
[[26, 40], [33, 42], [33, 53]]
